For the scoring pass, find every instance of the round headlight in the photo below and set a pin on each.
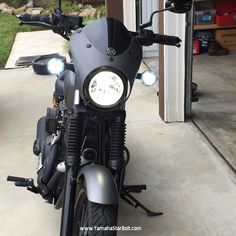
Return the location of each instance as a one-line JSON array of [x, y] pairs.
[[106, 88]]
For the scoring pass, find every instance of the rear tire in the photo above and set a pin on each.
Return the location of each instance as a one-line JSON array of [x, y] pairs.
[[89, 214]]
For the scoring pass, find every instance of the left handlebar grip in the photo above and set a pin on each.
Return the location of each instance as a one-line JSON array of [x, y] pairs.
[[25, 17]]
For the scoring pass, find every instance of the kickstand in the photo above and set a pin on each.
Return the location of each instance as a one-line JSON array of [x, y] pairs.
[[131, 200]]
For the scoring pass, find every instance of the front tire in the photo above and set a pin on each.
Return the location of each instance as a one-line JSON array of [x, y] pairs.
[[92, 215]]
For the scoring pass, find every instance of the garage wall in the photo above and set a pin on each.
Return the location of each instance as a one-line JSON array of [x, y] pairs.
[[174, 69], [129, 12], [148, 6]]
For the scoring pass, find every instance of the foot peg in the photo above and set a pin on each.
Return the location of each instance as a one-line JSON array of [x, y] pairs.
[[134, 188], [23, 182]]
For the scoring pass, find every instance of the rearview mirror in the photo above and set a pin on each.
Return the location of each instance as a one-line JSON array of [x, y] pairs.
[[179, 6]]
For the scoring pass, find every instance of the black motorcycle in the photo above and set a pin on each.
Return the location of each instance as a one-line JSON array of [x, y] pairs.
[[80, 143]]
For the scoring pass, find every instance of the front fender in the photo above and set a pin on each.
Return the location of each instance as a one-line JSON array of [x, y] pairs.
[[100, 184]]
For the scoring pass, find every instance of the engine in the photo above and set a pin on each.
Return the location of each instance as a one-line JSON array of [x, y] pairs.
[[49, 147]]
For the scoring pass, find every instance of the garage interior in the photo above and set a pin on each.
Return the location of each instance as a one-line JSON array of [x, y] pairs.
[[215, 112]]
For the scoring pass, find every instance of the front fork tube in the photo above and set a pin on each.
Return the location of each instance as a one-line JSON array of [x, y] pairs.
[[116, 148], [68, 203], [102, 142], [114, 160], [72, 162]]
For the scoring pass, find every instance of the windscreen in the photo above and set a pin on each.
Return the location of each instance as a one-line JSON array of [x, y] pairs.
[[108, 33]]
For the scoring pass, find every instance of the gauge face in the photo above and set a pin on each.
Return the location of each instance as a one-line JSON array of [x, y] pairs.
[[106, 88]]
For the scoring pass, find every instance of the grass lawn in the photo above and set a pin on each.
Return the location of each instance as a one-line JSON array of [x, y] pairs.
[[9, 26]]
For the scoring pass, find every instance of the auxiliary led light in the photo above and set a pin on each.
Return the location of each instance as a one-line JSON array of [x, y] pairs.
[[56, 66], [149, 78]]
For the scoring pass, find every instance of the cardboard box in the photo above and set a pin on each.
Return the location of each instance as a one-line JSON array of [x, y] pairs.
[[227, 38]]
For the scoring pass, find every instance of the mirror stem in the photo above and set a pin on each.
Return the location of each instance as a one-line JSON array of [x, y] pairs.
[[149, 23], [59, 4]]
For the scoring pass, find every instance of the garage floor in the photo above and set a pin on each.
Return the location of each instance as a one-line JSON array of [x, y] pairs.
[[215, 113], [185, 178]]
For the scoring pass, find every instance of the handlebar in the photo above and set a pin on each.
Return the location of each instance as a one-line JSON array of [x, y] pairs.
[[59, 23], [147, 38], [39, 18], [63, 24], [168, 40]]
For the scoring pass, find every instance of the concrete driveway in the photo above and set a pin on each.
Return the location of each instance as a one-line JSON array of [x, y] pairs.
[[185, 177], [36, 43]]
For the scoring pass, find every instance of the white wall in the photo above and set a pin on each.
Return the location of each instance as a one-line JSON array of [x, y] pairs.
[[174, 69], [129, 14], [148, 6]]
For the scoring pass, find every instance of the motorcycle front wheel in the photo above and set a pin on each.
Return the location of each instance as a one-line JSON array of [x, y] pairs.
[[92, 219]]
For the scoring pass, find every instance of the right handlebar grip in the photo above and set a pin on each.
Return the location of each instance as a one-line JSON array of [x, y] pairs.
[[25, 17], [168, 40]]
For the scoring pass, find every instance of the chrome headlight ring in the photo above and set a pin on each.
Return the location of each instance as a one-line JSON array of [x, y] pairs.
[[105, 88]]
